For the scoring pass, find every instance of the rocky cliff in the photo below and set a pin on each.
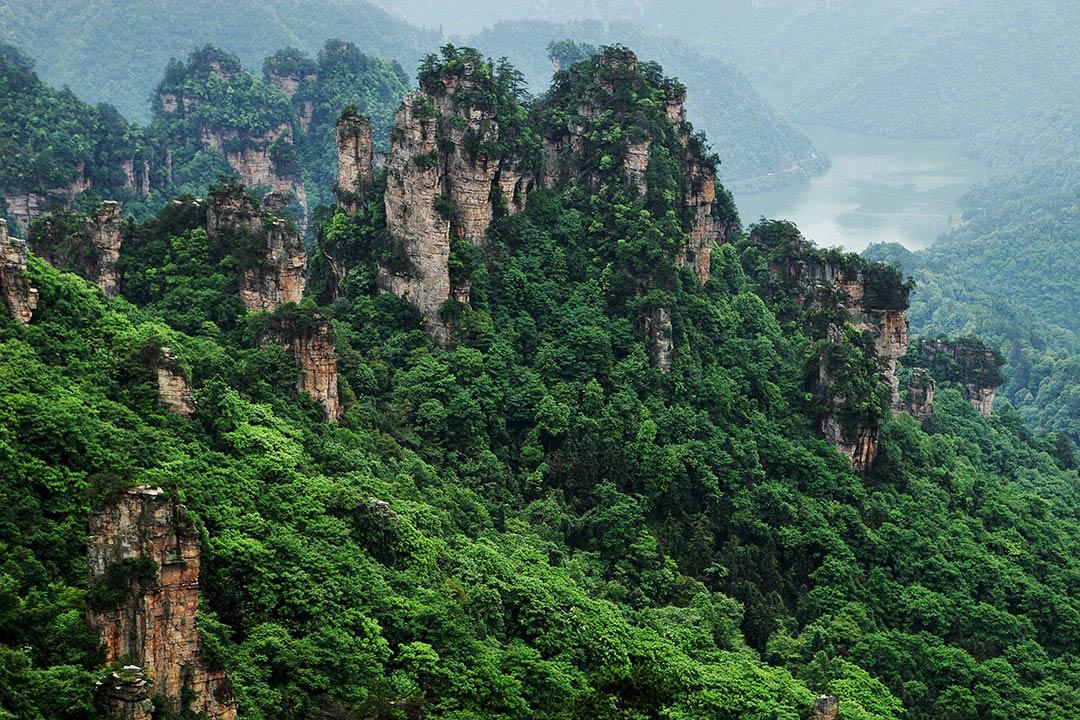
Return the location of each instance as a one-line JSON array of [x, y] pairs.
[[143, 554], [309, 339], [20, 298], [449, 173], [124, 695], [356, 159], [174, 393], [826, 707], [832, 290], [920, 394], [975, 367], [87, 246], [270, 248], [414, 182]]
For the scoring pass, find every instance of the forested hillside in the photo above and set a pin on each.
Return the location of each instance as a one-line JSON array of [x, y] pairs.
[[1009, 273], [591, 482], [767, 151], [905, 68], [113, 52], [211, 117]]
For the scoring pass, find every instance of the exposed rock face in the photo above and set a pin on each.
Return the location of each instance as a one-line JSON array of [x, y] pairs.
[[981, 398], [356, 158], [873, 303], [20, 298], [174, 393], [705, 231], [309, 340], [124, 695], [137, 174], [637, 163], [920, 394], [826, 707], [251, 158], [25, 207], [90, 251], [154, 626], [103, 231], [273, 256], [969, 362], [413, 183], [658, 330]]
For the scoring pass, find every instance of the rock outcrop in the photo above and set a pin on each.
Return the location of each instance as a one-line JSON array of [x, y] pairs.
[[413, 184], [920, 394], [88, 247], [270, 248], [309, 339], [124, 695], [868, 296], [25, 207], [21, 299], [104, 232], [969, 363], [658, 331], [144, 559], [443, 179], [174, 393], [826, 707], [356, 159]]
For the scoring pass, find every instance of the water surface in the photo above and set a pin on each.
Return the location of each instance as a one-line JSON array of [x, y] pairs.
[[878, 190]]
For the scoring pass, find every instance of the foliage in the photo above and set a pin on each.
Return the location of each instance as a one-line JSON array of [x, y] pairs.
[[536, 522]]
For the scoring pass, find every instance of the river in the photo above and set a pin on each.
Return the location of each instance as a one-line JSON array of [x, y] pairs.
[[878, 190]]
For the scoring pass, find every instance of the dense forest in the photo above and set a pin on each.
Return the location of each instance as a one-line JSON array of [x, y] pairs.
[[222, 121], [115, 52], [533, 519]]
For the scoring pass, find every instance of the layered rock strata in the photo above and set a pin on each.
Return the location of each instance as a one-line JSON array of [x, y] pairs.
[[153, 627], [20, 298], [124, 695], [270, 247], [309, 340], [873, 302], [356, 160], [174, 393], [826, 707], [91, 250]]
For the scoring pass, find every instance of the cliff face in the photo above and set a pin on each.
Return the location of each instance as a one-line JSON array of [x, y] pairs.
[[413, 183], [124, 695], [103, 231], [660, 336], [356, 158], [309, 340], [89, 247], [872, 300], [174, 393], [25, 207], [153, 625], [967, 362], [20, 298], [920, 394], [250, 154], [271, 249], [826, 707]]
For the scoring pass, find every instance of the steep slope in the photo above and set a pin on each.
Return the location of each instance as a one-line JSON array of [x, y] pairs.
[[764, 149], [539, 520], [115, 52]]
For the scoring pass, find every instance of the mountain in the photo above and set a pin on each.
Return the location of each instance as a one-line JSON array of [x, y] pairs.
[[532, 429], [761, 149], [211, 117], [116, 52], [903, 68]]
